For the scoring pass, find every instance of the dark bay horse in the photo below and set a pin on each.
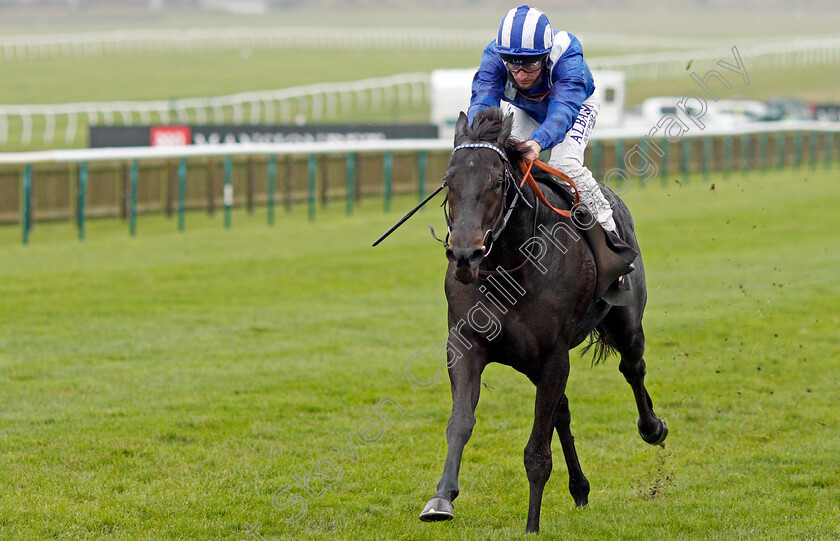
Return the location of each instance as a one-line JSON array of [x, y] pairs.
[[520, 287]]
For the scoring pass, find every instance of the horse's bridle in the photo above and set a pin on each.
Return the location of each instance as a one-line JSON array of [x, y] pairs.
[[504, 214]]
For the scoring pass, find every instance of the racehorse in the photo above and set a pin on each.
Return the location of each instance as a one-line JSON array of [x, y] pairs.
[[520, 286]]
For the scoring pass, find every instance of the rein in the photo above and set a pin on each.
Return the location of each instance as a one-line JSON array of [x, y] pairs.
[[529, 178]]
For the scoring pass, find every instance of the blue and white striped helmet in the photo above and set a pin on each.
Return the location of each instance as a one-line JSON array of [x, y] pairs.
[[525, 31]]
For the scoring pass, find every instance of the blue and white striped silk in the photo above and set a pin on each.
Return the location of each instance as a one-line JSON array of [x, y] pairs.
[[524, 31]]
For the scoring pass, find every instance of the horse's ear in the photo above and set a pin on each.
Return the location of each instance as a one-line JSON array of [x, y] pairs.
[[461, 128], [504, 133]]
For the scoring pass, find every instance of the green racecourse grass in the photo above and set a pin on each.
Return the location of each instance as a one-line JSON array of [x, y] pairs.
[[164, 387]]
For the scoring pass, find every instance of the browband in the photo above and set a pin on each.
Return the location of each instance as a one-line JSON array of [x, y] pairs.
[[494, 148]]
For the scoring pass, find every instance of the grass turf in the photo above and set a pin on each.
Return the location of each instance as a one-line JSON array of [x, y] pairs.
[[164, 387]]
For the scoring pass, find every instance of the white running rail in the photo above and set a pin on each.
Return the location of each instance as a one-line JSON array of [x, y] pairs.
[[312, 102], [776, 55], [81, 155], [83, 44], [323, 101]]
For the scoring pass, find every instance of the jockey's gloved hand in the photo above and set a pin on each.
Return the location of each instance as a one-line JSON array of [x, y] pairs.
[[531, 148]]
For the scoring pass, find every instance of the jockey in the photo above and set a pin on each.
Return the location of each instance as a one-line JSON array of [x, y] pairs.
[[549, 89]]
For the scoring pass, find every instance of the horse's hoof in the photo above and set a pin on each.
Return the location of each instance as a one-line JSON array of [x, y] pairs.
[[580, 493], [438, 509], [657, 436]]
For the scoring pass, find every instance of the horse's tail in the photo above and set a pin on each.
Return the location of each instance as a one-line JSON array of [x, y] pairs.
[[604, 347]]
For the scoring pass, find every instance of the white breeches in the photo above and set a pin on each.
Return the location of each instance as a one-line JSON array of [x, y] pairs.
[[568, 155]]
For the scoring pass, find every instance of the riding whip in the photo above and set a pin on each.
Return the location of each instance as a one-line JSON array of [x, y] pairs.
[[409, 214]]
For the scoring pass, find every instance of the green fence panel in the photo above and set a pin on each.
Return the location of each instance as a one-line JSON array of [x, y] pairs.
[[835, 152], [727, 155], [227, 194], [287, 184], [619, 154], [132, 198], [324, 186], [753, 151], [272, 186], [387, 172], [313, 172], [182, 193], [781, 149], [350, 175], [596, 160], [422, 160], [762, 152], [644, 148], [26, 220], [82, 200], [745, 153]]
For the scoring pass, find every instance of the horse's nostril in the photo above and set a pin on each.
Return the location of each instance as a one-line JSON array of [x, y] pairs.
[[464, 255]]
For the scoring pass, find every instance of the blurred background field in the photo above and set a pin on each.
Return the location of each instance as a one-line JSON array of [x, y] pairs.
[[153, 76], [175, 75], [202, 73]]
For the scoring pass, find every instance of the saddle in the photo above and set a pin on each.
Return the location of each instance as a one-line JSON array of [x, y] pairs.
[[613, 256]]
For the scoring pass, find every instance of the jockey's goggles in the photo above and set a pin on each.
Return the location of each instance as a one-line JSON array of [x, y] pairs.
[[530, 67]]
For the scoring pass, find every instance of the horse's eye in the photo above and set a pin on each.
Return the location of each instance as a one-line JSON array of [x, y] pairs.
[[498, 184]]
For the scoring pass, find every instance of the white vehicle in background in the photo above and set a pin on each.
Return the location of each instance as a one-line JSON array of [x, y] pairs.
[[740, 111], [719, 114], [792, 110]]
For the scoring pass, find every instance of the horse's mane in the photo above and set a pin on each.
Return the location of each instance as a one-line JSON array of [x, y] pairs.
[[487, 127]]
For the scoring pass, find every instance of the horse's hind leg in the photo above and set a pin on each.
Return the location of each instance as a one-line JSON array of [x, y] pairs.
[[578, 485], [626, 334]]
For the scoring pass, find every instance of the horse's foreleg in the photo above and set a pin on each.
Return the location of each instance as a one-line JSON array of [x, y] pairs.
[[465, 378], [578, 485], [550, 388]]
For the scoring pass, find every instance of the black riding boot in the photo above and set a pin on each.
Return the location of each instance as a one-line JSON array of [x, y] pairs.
[[613, 257], [619, 293]]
